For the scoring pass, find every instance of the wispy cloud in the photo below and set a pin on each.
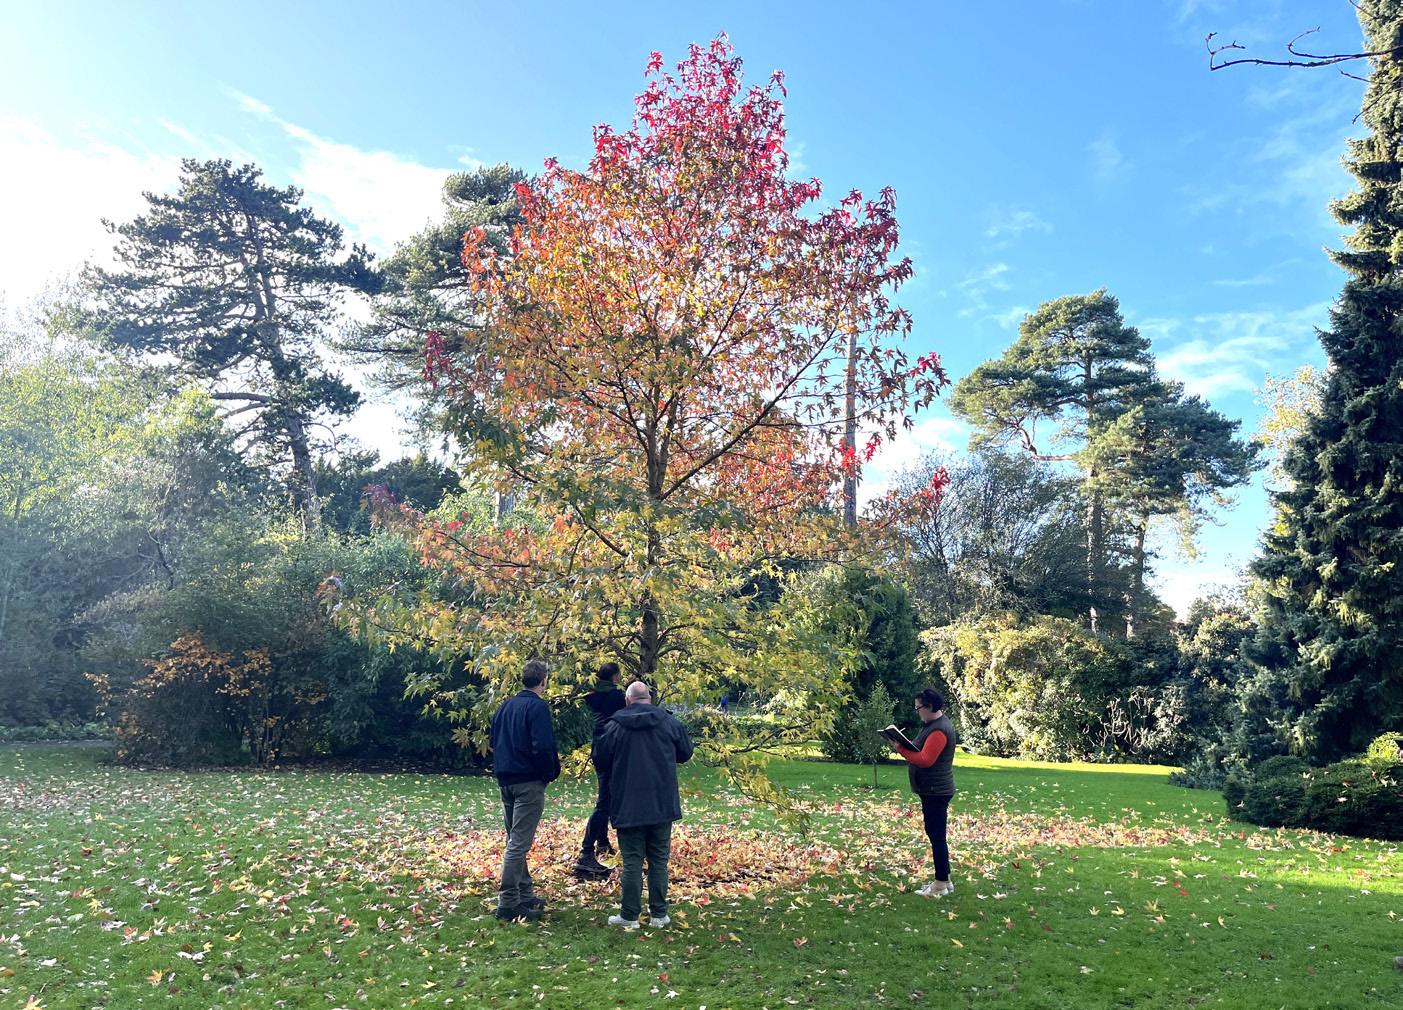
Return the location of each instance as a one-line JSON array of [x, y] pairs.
[[382, 197], [1107, 161], [1261, 280], [1010, 222], [978, 283], [1231, 352], [1010, 318], [60, 189]]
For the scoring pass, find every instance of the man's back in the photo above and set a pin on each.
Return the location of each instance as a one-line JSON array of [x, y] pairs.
[[641, 748], [523, 741]]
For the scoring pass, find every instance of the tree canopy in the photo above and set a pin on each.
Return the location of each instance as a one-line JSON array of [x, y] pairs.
[[235, 282], [660, 378]]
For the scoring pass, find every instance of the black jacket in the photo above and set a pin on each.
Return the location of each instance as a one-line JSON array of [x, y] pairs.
[[640, 750], [523, 741], [604, 701]]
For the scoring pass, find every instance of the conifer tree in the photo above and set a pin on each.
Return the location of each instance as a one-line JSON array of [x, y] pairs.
[[232, 283], [1333, 563]]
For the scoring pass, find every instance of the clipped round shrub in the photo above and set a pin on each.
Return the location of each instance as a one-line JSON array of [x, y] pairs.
[[1355, 797], [1277, 802], [1280, 766]]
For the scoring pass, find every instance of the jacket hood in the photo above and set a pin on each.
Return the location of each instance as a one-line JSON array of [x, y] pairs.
[[640, 716]]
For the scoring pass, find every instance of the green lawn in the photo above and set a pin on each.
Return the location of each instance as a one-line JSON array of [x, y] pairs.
[[1078, 886]]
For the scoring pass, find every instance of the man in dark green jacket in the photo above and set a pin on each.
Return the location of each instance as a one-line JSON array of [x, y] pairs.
[[640, 750]]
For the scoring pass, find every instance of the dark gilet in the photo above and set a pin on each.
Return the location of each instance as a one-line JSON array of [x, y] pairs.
[[939, 778]]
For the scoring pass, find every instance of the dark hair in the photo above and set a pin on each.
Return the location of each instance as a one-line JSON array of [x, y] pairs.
[[533, 674], [608, 671], [931, 699]]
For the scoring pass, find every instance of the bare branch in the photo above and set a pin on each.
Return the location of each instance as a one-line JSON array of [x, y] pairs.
[[1303, 59]]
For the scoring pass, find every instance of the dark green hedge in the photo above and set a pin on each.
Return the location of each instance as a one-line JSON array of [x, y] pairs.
[[1358, 796]]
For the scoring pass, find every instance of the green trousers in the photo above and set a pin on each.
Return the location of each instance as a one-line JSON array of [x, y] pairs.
[[653, 842]]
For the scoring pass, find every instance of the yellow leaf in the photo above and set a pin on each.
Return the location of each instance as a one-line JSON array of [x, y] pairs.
[[957, 943]]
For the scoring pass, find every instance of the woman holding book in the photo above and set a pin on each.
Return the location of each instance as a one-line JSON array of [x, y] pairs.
[[932, 760]]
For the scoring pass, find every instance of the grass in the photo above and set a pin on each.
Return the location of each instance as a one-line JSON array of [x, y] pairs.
[[1078, 885]]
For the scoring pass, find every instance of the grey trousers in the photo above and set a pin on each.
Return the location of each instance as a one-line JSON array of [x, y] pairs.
[[653, 841], [522, 805]]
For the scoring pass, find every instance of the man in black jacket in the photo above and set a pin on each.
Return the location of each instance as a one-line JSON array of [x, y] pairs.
[[640, 750], [525, 759], [604, 701]]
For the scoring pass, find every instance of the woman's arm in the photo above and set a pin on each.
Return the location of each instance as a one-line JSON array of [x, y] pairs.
[[930, 750]]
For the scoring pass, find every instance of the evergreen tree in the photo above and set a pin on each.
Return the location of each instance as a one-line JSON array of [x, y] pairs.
[[428, 289], [234, 282], [1333, 563], [1142, 448]]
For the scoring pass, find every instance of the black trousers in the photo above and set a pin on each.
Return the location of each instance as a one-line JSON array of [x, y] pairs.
[[597, 830], [935, 811]]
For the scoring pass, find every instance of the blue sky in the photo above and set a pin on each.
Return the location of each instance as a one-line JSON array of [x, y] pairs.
[[1038, 148]]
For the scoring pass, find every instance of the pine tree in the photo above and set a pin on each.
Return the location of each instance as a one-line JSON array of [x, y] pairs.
[[1143, 449], [1333, 564], [232, 283]]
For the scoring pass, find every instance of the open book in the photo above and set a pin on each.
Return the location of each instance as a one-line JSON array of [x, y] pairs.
[[896, 736]]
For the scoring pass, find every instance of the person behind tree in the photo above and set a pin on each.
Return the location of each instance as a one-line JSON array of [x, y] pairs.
[[604, 701], [932, 774], [639, 752], [525, 758]]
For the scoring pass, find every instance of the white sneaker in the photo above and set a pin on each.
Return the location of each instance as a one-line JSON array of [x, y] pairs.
[[619, 920], [939, 890], [928, 891], [660, 921]]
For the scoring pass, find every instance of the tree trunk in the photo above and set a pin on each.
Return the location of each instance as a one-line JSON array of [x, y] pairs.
[[502, 503], [304, 469], [1095, 535], [11, 563], [850, 438]]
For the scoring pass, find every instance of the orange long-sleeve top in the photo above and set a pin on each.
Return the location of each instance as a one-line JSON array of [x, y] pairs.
[[930, 750]]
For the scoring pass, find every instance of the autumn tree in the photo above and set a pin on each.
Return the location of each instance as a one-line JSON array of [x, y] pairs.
[[662, 378], [1333, 564], [235, 283]]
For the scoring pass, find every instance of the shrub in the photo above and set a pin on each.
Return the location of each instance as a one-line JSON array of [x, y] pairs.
[[1355, 797], [875, 614], [1384, 750], [1048, 688], [1276, 802], [1234, 790], [1280, 766]]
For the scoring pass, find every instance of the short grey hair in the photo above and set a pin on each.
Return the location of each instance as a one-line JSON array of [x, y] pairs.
[[638, 691]]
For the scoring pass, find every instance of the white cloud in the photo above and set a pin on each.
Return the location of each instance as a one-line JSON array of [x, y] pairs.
[[1010, 222], [1232, 351], [1107, 161], [978, 283], [1010, 318], [381, 197], [935, 433], [1261, 280], [58, 191]]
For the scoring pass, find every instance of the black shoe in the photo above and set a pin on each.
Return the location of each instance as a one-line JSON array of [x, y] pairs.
[[526, 912], [534, 902], [588, 866]]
